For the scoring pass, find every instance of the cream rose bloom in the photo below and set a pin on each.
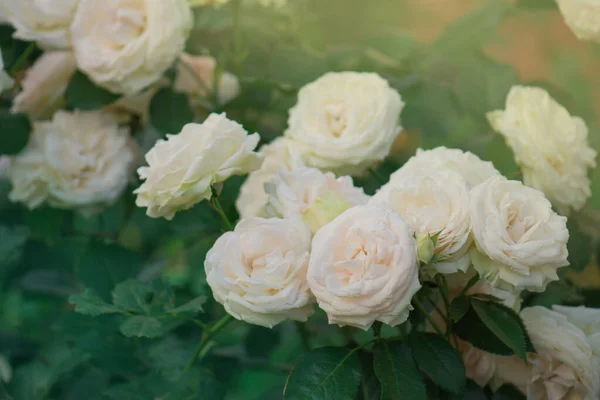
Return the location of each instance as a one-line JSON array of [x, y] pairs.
[[258, 271], [345, 121], [521, 241], [126, 45], [583, 17], [196, 77], [363, 268], [43, 21], [549, 144], [473, 170], [564, 365], [78, 160], [434, 202], [182, 168], [295, 192], [42, 90], [278, 155]]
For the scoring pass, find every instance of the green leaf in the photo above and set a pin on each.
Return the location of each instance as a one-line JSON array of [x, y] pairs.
[[504, 323], [170, 111], [104, 265], [325, 373], [142, 326], [439, 361], [89, 303], [193, 306], [579, 246], [469, 32], [390, 48], [458, 308], [45, 222], [83, 94], [397, 372], [132, 295], [15, 130], [473, 330], [260, 340], [482, 84], [12, 242]]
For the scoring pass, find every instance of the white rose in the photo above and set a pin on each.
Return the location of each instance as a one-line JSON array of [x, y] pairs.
[[520, 241], [6, 81], [583, 17], [42, 90], [77, 160], [42, 21], [433, 202], [586, 319], [278, 155], [468, 165], [126, 45], [293, 193], [196, 77], [564, 365], [549, 144], [182, 168], [258, 271], [345, 121], [363, 268]]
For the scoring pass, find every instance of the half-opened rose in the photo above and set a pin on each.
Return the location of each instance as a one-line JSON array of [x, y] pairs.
[[45, 83], [583, 17], [550, 145], [521, 241], [433, 202], [196, 76], [258, 271], [564, 365], [297, 192], [126, 45], [278, 155], [77, 160], [42, 21], [182, 168], [473, 170], [345, 121], [363, 268]]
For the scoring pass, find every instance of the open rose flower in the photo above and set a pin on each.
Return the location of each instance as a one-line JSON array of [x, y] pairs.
[[78, 160], [278, 155], [182, 168], [258, 271], [433, 202], [564, 365], [126, 45], [42, 21], [473, 170], [550, 145], [345, 121], [521, 241], [45, 84], [297, 192], [583, 17], [196, 76], [363, 268]]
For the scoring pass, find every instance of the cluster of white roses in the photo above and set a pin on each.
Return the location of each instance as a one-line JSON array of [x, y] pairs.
[[84, 160], [310, 236]]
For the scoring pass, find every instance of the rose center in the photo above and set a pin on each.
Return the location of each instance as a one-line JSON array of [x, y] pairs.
[[127, 23], [336, 118], [517, 226]]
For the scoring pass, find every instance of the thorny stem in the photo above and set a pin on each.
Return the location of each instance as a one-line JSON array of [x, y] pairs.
[[216, 204], [421, 308], [220, 324]]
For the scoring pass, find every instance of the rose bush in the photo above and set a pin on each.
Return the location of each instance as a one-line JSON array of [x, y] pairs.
[[336, 199]]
